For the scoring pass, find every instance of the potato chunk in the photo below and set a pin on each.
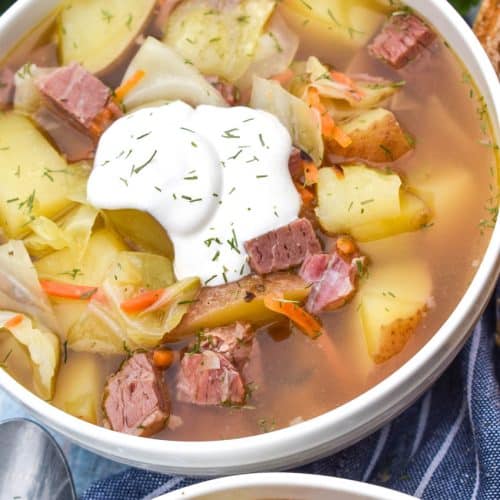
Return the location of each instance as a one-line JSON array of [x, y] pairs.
[[36, 180], [79, 387], [96, 33], [392, 307], [376, 136], [367, 203], [239, 301], [344, 24]]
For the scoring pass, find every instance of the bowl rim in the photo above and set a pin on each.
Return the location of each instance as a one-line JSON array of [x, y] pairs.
[[326, 484], [336, 428]]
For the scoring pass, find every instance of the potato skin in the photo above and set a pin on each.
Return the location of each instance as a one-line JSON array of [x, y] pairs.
[[394, 336], [376, 137], [239, 301]]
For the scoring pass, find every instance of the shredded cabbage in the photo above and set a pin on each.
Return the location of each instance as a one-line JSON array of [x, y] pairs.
[[339, 97], [275, 51], [73, 232], [219, 41], [168, 77], [19, 286], [106, 328], [43, 347], [27, 97], [294, 114]]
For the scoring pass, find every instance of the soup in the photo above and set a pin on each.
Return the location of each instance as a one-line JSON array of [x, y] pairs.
[[221, 218]]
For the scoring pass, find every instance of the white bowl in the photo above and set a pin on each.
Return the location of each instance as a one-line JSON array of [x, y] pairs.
[[335, 429], [284, 485]]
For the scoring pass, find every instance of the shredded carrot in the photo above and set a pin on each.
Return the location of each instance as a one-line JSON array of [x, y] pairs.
[[341, 78], [305, 193], [345, 80], [163, 358], [284, 77], [14, 321], [345, 245], [103, 119], [127, 86], [328, 128], [67, 290], [310, 173], [305, 321], [140, 302]]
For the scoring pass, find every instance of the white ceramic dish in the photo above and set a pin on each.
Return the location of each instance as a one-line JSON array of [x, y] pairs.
[[333, 430], [281, 486]]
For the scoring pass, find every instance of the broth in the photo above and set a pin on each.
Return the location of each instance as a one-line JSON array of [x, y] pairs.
[[300, 378]]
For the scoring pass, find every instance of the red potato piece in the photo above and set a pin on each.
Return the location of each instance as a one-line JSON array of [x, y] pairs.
[[238, 301], [402, 39], [7, 88], [209, 378], [136, 398], [282, 248]]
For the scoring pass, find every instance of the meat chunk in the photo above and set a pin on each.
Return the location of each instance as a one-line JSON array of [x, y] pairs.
[[209, 378], [282, 248], [76, 92], [403, 38], [296, 163], [136, 399], [75, 99], [211, 373], [333, 279], [229, 92], [233, 341], [7, 88], [73, 144]]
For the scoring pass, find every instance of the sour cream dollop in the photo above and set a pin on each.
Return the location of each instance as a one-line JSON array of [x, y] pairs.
[[212, 177]]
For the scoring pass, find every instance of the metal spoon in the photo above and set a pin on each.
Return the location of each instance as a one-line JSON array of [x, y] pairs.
[[32, 466]]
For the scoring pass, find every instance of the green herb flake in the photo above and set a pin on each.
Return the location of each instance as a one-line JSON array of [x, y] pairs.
[[229, 134], [106, 16]]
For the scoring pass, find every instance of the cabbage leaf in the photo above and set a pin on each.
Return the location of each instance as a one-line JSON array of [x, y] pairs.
[[19, 286], [219, 41], [168, 77], [106, 328], [43, 347], [293, 113]]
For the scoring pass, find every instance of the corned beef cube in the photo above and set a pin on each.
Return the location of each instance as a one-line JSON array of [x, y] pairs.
[[333, 280], [75, 92], [402, 39], [136, 398], [282, 248]]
